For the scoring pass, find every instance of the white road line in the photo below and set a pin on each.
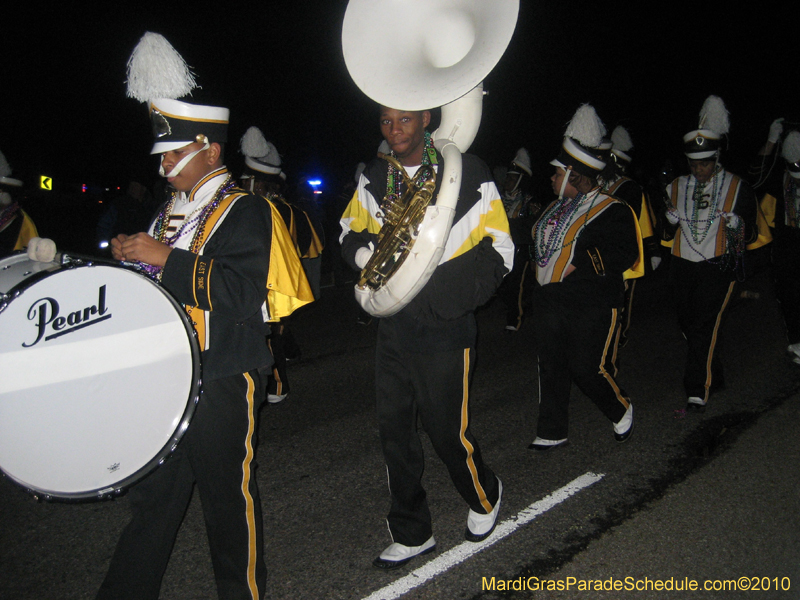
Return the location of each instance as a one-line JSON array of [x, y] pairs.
[[463, 551]]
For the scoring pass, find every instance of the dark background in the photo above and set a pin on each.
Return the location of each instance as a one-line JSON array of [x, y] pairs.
[[279, 66]]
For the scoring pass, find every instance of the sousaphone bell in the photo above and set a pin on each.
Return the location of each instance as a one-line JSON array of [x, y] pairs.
[[440, 51]]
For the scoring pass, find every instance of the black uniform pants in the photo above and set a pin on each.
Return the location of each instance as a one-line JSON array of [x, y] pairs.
[[625, 313], [217, 453], [515, 284], [575, 345], [434, 388], [278, 383], [702, 293]]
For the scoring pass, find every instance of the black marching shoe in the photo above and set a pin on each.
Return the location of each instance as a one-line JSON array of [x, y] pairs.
[[396, 555]]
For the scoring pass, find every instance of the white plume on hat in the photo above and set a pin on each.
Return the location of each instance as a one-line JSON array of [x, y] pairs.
[[5, 168], [5, 173], [621, 139], [156, 70], [714, 116], [255, 145], [791, 147], [586, 127]]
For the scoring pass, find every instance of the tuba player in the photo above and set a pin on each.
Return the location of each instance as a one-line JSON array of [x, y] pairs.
[[426, 351]]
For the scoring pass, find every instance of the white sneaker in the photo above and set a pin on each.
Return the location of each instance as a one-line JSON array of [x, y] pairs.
[[275, 398], [543, 444], [479, 526], [624, 429], [396, 555], [695, 404]]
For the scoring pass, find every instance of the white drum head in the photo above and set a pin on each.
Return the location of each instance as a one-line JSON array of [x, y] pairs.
[[99, 376]]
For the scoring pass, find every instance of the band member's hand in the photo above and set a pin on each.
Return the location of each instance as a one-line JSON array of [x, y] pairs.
[[672, 216], [116, 246], [570, 268], [41, 249], [140, 247], [363, 255], [655, 261], [731, 219]]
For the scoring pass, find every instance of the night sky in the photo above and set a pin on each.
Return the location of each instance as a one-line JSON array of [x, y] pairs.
[[279, 66]]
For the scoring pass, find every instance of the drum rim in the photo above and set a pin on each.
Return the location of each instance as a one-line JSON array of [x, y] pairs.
[[7, 296], [119, 487]]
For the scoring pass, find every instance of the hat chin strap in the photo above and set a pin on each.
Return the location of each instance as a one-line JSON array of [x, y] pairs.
[[182, 163], [516, 185], [251, 184], [564, 183]]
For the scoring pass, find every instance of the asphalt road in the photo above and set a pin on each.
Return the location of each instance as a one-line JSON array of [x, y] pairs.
[[709, 498]]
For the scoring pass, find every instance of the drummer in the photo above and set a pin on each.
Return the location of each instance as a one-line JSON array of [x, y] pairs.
[[209, 246], [16, 227]]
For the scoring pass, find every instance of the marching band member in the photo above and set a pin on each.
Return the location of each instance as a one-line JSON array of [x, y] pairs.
[[781, 205], [426, 352], [715, 214], [16, 227], [618, 183], [584, 242], [521, 211], [210, 247], [263, 176]]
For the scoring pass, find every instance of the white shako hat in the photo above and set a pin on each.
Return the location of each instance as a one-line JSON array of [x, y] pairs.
[[621, 144], [581, 150], [521, 162], [791, 153], [261, 157], [5, 174], [158, 76], [705, 141]]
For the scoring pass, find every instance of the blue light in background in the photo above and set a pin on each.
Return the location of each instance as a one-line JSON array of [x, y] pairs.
[[315, 183]]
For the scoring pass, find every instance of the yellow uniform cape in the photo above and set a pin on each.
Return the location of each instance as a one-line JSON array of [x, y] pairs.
[[316, 246], [637, 270], [26, 232], [287, 285], [764, 220]]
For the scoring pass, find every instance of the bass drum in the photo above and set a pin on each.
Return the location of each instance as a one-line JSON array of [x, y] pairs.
[[99, 376]]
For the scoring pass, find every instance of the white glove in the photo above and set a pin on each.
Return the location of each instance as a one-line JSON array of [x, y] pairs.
[[363, 255], [655, 261], [41, 249], [731, 220], [775, 131], [672, 216]]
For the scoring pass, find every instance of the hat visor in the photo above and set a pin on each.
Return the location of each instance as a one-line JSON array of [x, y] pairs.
[[161, 147]]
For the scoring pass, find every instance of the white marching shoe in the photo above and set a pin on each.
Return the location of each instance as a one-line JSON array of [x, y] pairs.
[[543, 444], [695, 404], [624, 429], [396, 555], [480, 527]]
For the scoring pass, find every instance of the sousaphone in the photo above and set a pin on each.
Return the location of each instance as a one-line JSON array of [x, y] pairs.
[[418, 55]]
